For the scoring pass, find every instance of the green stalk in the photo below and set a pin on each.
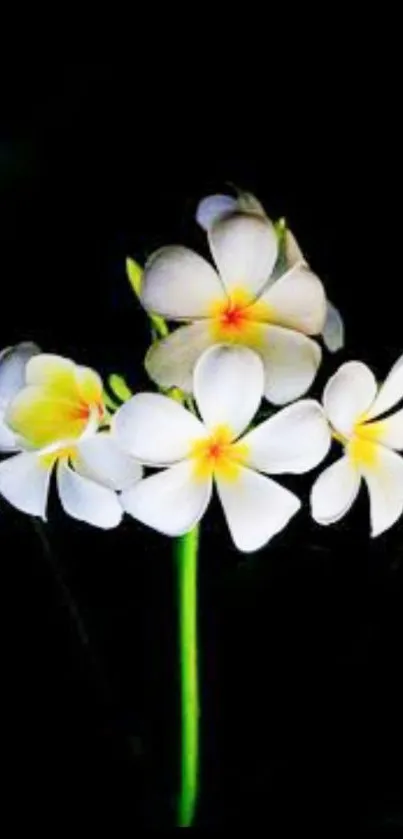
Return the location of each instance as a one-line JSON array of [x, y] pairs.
[[186, 552]]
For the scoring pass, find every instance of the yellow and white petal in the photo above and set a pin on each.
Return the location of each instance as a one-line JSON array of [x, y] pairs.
[[388, 432], [24, 482], [333, 330], [335, 491], [295, 440], [86, 500], [255, 508], [171, 501], [41, 418], [297, 301], [13, 362], [100, 459], [244, 248], [228, 387], [170, 362], [390, 393], [180, 284], [385, 487], [54, 372], [214, 207], [89, 385], [348, 395], [156, 430], [291, 361]]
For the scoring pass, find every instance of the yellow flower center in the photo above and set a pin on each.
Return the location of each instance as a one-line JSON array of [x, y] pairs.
[[237, 319], [362, 447], [218, 455]]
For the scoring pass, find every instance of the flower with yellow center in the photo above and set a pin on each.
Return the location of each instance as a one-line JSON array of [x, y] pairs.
[[356, 409], [54, 410], [240, 303], [216, 207], [214, 450]]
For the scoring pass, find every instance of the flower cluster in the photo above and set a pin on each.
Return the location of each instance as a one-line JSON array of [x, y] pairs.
[[253, 320]]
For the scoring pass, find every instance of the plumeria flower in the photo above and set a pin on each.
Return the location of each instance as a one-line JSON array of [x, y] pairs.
[[214, 450], [240, 303], [356, 409], [216, 207], [57, 417]]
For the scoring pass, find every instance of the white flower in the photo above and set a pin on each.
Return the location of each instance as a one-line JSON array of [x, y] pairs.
[[240, 303], [54, 409], [216, 207], [228, 388], [355, 408]]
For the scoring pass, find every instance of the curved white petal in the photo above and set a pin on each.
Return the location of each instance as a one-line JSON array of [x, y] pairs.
[[214, 207], [297, 300], [244, 248], [248, 203], [333, 330], [293, 252], [348, 395], [13, 361], [255, 508], [335, 491], [156, 430], [171, 501], [295, 440], [100, 459], [291, 361], [391, 392], [385, 487], [8, 440], [391, 430], [24, 482], [228, 386], [170, 362], [86, 500], [178, 283]]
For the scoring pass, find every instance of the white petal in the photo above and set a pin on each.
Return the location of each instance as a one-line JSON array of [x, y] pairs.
[[86, 500], [244, 248], [170, 362], [24, 482], [385, 486], [297, 300], [293, 252], [228, 386], [156, 430], [291, 361], [247, 203], [13, 361], [295, 440], [8, 440], [256, 508], [214, 207], [171, 502], [178, 283], [335, 491], [390, 430], [391, 392], [100, 459], [333, 330], [348, 395]]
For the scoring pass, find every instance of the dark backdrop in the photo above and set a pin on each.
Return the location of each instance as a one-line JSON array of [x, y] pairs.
[[301, 644]]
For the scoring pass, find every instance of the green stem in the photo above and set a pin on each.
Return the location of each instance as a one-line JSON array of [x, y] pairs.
[[187, 549]]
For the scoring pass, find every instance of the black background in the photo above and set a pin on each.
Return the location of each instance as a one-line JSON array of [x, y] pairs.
[[301, 644]]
